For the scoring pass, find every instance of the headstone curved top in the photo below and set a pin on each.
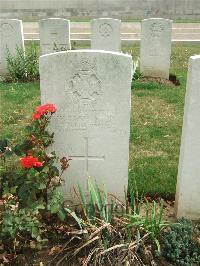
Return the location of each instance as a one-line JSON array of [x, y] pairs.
[[188, 183], [155, 49], [11, 39], [106, 34], [92, 92], [54, 35]]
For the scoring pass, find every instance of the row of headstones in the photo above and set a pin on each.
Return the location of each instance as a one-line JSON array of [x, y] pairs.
[[92, 91], [55, 35]]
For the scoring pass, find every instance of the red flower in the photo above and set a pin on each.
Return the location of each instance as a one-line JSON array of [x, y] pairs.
[[29, 162], [36, 116], [44, 109]]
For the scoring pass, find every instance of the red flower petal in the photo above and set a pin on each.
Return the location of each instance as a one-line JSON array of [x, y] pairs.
[[30, 161]]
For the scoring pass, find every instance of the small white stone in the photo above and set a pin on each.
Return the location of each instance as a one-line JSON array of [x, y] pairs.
[[106, 34], [11, 38], [155, 50], [54, 35], [188, 184], [92, 92]]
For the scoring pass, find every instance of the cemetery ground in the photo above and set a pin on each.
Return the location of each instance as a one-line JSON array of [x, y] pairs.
[[156, 123]]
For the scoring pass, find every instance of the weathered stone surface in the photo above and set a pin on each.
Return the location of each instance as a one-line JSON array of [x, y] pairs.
[[92, 91], [155, 47], [11, 38], [54, 35], [106, 34], [188, 184]]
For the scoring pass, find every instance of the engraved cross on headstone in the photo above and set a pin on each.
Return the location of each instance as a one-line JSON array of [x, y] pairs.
[[86, 157]]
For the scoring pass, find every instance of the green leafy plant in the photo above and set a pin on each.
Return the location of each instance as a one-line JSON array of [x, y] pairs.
[[96, 204], [146, 217], [24, 65], [98, 208], [179, 246], [17, 220], [29, 188], [16, 65], [137, 74]]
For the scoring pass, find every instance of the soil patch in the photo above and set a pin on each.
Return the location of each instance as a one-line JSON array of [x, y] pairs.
[[172, 81]]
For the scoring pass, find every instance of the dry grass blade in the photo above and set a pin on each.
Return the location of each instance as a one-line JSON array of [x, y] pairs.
[[137, 258], [114, 247], [77, 232], [132, 244], [63, 248], [77, 250], [85, 245], [90, 256], [99, 230]]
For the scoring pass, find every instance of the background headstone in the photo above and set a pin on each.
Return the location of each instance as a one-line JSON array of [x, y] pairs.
[[11, 38], [105, 34], [188, 184], [92, 91], [155, 49], [54, 35]]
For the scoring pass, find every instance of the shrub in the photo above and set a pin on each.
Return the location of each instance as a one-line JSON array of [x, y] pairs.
[[179, 246], [24, 66], [28, 184]]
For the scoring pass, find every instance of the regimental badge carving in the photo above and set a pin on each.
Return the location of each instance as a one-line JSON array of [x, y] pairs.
[[156, 29], [6, 30], [85, 94], [105, 29], [85, 85]]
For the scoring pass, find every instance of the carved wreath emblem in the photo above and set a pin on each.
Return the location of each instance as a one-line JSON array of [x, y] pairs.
[[105, 29]]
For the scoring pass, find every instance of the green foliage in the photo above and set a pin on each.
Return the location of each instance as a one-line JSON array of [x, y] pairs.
[[137, 74], [97, 208], [96, 204], [29, 193], [15, 220], [146, 217], [16, 65], [32, 62], [23, 66], [56, 200], [179, 246]]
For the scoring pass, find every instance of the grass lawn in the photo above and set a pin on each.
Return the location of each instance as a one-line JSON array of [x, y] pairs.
[[156, 122]]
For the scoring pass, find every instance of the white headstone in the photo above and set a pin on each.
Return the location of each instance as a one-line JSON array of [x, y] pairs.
[[188, 184], [155, 49], [92, 91], [11, 39], [54, 35], [106, 34]]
